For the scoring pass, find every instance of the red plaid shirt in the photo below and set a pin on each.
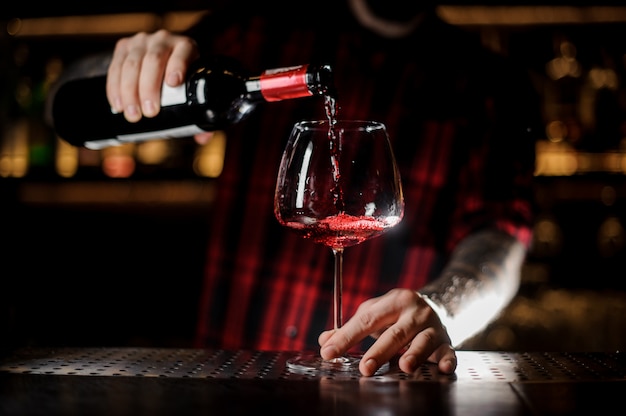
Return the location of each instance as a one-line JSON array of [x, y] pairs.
[[459, 120]]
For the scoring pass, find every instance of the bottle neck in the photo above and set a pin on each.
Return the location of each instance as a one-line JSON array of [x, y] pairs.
[[292, 82]]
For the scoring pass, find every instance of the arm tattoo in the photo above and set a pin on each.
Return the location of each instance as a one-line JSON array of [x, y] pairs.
[[484, 265]]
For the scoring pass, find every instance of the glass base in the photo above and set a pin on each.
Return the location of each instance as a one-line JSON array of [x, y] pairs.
[[311, 363]]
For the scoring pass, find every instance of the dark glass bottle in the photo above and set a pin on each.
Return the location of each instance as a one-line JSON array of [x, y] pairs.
[[216, 93]]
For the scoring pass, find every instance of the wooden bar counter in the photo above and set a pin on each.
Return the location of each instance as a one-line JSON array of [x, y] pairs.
[[160, 381]]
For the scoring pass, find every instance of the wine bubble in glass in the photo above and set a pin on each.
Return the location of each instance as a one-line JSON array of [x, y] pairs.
[[338, 184]]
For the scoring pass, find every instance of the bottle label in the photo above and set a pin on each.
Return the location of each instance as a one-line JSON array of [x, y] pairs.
[[184, 131], [173, 95], [284, 83], [170, 96]]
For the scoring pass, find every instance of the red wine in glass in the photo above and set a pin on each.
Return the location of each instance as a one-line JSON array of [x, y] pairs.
[[338, 185]]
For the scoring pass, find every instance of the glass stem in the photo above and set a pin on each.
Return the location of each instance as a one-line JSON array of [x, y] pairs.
[[337, 291]]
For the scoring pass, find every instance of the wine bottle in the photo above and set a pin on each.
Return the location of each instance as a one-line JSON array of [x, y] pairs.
[[216, 93]]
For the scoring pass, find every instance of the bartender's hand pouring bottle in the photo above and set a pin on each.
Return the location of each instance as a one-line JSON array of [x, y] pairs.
[[215, 94]]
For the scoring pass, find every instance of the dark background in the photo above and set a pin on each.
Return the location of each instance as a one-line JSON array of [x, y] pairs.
[[128, 271]]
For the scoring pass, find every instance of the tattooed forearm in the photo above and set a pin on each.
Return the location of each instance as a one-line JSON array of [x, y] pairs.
[[482, 276]]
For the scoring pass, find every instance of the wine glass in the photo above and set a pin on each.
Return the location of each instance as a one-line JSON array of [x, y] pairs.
[[338, 184]]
